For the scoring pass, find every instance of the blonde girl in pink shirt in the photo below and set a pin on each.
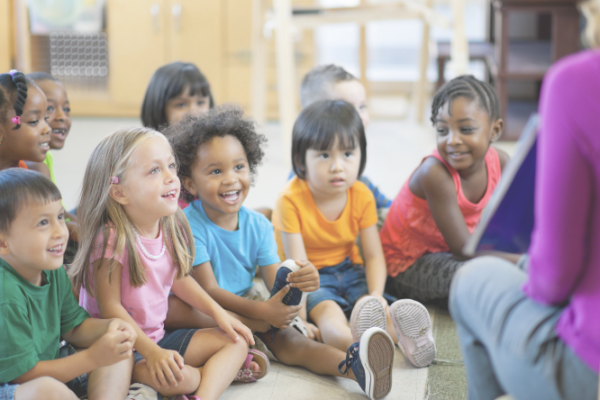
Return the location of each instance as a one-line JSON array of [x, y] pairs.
[[135, 251]]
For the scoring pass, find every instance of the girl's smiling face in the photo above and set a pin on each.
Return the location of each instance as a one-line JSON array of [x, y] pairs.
[[465, 132], [220, 176], [31, 141], [186, 104], [58, 112]]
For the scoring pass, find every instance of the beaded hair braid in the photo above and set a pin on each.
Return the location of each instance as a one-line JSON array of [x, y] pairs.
[[10, 83], [470, 87]]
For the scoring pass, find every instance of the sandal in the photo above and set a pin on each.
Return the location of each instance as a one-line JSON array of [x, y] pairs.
[[245, 374]]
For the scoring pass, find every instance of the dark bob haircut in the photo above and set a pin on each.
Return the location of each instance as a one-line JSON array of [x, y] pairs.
[[19, 188], [317, 127], [193, 131], [168, 82]]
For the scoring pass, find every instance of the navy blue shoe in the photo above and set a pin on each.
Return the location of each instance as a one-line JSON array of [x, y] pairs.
[[371, 360], [294, 296]]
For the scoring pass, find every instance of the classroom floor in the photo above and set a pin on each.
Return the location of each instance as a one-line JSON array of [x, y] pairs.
[[395, 148]]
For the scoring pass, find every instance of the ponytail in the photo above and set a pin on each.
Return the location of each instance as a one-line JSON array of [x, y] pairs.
[[14, 86]]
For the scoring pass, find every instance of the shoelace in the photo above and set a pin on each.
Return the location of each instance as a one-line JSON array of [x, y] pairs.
[[351, 359]]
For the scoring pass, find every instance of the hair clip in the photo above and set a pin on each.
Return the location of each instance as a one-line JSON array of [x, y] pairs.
[[12, 72], [114, 180], [16, 120]]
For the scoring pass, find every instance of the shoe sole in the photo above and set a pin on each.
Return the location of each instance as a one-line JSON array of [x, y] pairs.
[[372, 307], [413, 324], [293, 267], [377, 349]]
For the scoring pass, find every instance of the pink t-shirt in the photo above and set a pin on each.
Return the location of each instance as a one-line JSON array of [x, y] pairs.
[[147, 304]]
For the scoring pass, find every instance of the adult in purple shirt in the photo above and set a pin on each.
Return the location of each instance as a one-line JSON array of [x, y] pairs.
[[536, 334]]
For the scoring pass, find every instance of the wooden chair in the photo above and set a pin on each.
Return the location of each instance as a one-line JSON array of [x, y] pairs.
[[284, 20]]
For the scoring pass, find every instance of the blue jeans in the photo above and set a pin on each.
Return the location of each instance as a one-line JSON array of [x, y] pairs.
[[509, 342], [177, 340], [344, 283]]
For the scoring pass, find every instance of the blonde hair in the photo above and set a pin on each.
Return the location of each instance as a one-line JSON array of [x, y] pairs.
[[591, 10], [99, 212]]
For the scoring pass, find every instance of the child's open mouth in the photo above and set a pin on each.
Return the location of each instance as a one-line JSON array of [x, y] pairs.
[[171, 195], [230, 197], [456, 155], [44, 145], [337, 181], [57, 250], [60, 133]]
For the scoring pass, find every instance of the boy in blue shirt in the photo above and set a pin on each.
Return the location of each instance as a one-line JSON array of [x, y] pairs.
[[38, 308], [218, 154]]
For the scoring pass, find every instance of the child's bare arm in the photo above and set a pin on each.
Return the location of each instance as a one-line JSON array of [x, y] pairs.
[[272, 311], [113, 345], [436, 185], [375, 268], [91, 330]]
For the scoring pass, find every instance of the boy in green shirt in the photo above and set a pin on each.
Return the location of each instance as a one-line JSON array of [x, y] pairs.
[[38, 308]]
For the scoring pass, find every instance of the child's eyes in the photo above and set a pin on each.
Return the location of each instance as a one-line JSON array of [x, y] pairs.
[[43, 222], [201, 103], [324, 155], [467, 129], [172, 165], [34, 123], [348, 153], [180, 105], [50, 109], [67, 110], [61, 216], [155, 170], [239, 166], [215, 172]]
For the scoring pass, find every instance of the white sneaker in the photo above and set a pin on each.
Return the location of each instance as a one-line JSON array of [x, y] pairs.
[[139, 391], [368, 312], [298, 324], [413, 327]]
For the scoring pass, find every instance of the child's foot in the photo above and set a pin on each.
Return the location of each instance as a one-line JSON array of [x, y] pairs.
[[255, 367], [139, 391], [371, 360], [295, 295], [413, 328], [367, 313]]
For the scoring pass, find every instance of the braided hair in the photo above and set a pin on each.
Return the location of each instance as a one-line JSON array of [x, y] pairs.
[[470, 87], [14, 90]]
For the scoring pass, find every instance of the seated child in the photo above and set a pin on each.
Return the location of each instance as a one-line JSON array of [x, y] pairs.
[[58, 117], [24, 133], [318, 217], [441, 203], [332, 82], [219, 153], [37, 306], [135, 251]]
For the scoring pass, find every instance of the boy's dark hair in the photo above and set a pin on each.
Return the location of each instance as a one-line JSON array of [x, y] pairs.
[[470, 87], [19, 188], [167, 82], [318, 83], [13, 92], [319, 124], [41, 76], [193, 131]]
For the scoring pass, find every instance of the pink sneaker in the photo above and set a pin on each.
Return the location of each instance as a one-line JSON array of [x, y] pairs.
[[413, 328], [368, 312]]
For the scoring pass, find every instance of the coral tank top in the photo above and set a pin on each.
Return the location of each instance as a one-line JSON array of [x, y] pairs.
[[410, 232]]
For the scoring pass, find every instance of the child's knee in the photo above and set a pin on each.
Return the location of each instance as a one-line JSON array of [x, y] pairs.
[[45, 388]]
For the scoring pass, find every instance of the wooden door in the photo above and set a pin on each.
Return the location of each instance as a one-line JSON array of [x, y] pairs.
[[195, 35], [136, 37]]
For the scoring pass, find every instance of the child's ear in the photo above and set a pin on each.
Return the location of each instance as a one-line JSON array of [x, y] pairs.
[[4, 248], [497, 129], [118, 195], [188, 184]]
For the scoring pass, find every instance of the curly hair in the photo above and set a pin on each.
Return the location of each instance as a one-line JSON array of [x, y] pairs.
[[192, 132], [470, 87]]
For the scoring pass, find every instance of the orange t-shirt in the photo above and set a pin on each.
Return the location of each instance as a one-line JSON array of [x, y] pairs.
[[22, 164], [409, 231], [327, 243]]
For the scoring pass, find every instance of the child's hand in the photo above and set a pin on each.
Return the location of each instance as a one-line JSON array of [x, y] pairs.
[[278, 314], [114, 346], [233, 327], [165, 367], [120, 325], [306, 278]]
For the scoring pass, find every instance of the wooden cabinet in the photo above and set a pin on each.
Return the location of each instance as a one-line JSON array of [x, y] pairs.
[[5, 36], [146, 34]]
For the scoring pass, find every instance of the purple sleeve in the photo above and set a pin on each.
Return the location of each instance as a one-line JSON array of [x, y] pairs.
[[562, 193]]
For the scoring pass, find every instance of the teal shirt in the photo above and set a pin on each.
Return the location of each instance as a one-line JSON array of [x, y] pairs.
[[33, 319]]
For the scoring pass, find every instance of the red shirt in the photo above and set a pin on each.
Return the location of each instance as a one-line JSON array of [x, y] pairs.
[[410, 232]]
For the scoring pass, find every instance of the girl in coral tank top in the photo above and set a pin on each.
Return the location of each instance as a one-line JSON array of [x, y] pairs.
[[441, 203]]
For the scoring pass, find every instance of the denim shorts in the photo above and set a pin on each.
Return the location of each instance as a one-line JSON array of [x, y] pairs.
[[344, 283], [177, 340], [77, 385]]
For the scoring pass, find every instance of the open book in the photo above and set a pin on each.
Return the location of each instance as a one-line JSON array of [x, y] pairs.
[[507, 220]]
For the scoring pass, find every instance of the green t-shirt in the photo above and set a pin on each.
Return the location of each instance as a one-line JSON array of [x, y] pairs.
[[33, 318]]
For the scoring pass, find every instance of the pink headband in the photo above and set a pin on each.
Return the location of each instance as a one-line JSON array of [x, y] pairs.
[[114, 180]]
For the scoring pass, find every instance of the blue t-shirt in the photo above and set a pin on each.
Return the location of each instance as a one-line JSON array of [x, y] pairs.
[[235, 255]]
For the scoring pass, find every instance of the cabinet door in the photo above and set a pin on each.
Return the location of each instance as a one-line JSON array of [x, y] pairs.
[[194, 35], [136, 37]]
